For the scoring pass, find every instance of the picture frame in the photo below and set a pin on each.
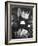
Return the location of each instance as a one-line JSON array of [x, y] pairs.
[[28, 25]]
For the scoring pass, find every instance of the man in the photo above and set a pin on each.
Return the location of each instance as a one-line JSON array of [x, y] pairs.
[[21, 27], [24, 26]]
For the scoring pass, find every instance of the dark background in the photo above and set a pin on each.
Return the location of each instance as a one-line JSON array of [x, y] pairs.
[[15, 27]]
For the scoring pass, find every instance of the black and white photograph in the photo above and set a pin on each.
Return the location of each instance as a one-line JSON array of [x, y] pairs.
[[20, 22]]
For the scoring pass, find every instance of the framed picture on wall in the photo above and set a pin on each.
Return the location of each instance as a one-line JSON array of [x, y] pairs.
[[20, 22]]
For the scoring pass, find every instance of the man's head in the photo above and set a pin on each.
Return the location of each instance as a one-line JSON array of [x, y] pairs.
[[25, 15]]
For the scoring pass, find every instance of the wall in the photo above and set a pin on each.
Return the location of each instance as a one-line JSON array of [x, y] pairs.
[[2, 23]]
